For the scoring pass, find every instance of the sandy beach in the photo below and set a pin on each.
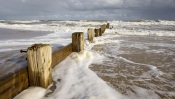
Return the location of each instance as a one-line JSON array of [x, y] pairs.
[[141, 63]]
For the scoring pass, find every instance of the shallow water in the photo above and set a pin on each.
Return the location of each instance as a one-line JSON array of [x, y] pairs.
[[11, 62], [11, 34], [139, 66]]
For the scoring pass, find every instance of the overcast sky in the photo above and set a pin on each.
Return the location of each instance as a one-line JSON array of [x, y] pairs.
[[87, 9]]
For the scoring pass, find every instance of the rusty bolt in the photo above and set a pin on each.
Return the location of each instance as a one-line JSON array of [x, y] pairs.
[[22, 51]]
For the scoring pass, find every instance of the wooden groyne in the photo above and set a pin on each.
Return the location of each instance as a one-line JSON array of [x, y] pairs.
[[41, 60]]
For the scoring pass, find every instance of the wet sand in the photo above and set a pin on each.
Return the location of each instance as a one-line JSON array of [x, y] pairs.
[[11, 62], [139, 64]]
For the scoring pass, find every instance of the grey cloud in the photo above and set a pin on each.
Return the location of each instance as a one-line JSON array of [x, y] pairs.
[[120, 4], [86, 9]]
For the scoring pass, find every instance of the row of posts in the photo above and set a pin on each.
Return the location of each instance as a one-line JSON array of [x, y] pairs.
[[39, 57], [97, 31]]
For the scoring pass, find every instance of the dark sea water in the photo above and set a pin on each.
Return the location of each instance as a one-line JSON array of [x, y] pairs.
[[9, 34]]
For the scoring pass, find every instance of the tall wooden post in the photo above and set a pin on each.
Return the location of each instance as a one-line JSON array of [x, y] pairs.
[[103, 28], [39, 57], [77, 41], [100, 32], [91, 34], [108, 26], [97, 32]]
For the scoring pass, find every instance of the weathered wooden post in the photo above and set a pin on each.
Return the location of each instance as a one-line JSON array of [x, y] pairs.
[[39, 57], [103, 28], [108, 26], [100, 32], [97, 32], [91, 34], [77, 41]]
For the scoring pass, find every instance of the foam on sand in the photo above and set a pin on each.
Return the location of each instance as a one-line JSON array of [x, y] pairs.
[[32, 93], [74, 80]]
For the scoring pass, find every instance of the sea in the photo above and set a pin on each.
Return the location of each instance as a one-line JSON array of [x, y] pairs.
[[131, 60]]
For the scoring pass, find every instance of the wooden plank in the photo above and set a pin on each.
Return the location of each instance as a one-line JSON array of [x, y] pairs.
[[77, 41], [14, 84], [39, 59], [60, 55]]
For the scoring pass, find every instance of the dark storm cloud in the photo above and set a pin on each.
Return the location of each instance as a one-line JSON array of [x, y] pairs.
[[87, 9]]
